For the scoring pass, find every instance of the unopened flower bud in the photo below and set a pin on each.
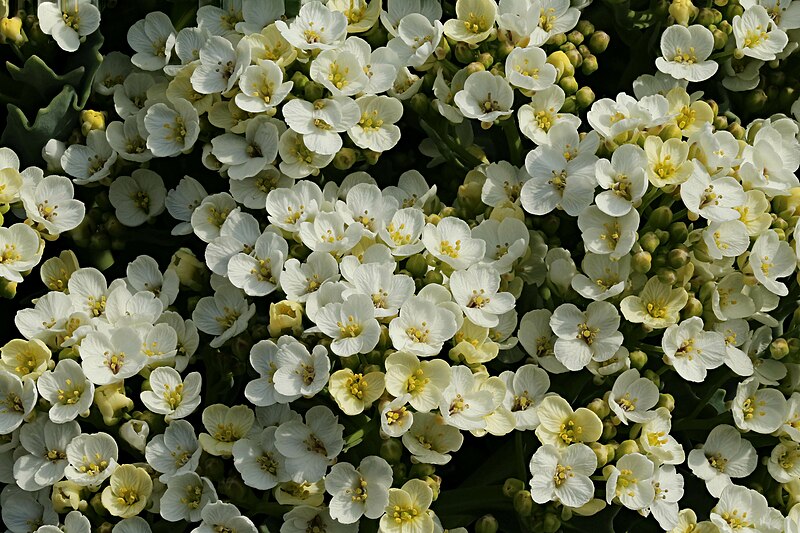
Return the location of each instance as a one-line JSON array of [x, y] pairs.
[[569, 84], [562, 63], [475, 67], [666, 400], [575, 37], [570, 104], [551, 523], [313, 91], [678, 232], [191, 271], [649, 242], [598, 42], [391, 450], [779, 348], [638, 359], [626, 447], [575, 57], [557, 40], [345, 158], [585, 27], [421, 470], [92, 120], [609, 430], [733, 10], [112, 402], [417, 266], [589, 65], [584, 97], [135, 433], [284, 316], [755, 100], [705, 17], [523, 503], [434, 277], [682, 11], [694, 307], [511, 486], [463, 53], [487, 524], [599, 407], [677, 257], [11, 31], [641, 262]]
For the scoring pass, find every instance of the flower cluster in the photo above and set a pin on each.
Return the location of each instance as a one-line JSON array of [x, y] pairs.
[[576, 309]]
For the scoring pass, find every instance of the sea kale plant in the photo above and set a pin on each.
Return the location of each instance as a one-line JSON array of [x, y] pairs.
[[400, 266]]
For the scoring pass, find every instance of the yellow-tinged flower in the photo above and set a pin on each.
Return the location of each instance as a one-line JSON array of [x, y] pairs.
[[657, 306], [285, 315], [10, 185], [111, 401], [25, 357], [11, 30], [474, 21], [68, 496], [355, 392], [129, 491], [407, 510], [560, 426], [689, 116], [56, 271], [473, 344]]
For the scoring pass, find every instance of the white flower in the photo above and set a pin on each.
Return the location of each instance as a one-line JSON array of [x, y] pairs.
[[171, 129], [476, 291], [247, 156], [631, 482], [396, 419], [757, 35], [555, 16], [474, 21], [225, 426], [259, 462], [305, 517], [632, 397], [46, 444], [503, 183], [221, 516], [92, 162], [605, 234], [264, 359], [152, 39], [288, 208], [143, 274], [527, 68], [782, 465], [186, 496], [451, 242], [422, 381], [225, 315], [327, 233], [537, 117], [18, 399], [403, 232], [584, 336], [557, 182], [299, 372], [357, 492], [174, 452], [339, 71], [220, 66], [412, 190], [685, 53], [68, 21], [407, 508], [724, 455], [316, 27], [262, 87], [656, 441], [485, 97], [430, 440], [506, 242], [376, 129], [138, 198], [387, 290], [320, 122], [463, 403], [51, 203], [172, 395], [126, 139], [21, 509], [562, 474], [299, 280], [715, 200], [92, 459], [69, 391], [422, 327], [112, 357], [351, 325], [772, 258], [311, 447], [20, 251], [658, 305], [602, 277], [762, 411], [692, 351], [623, 178], [258, 274], [525, 389], [726, 239], [741, 510], [668, 487], [297, 159], [416, 39]]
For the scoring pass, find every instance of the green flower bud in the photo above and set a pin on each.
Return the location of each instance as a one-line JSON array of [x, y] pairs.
[[211, 467], [584, 50], [649, 242], [511, 486], [575, 57], [545, 293], [602, 453], [421, 470], [787, 96], [371, 157], [638, 359], [677, 258], [779, 348], [609, 430], [626, 447], [666, 400], [570, 104], [652, 376], [678, 232], [562, 63], [575, 37], [683, 11], [720, 122], [346, 158], [599, 41], [417, 266], [584, 97], [313, 91], [8, 289], [705, 17], [486, 59], [434, 277], [523, 503], [487, 524], [585, 27], [551, 523], [755, 100], [670, 131], [464, 54], [474, 67], [391, 449], [737, 130], [693, 307], [599, 407], [503, 49], [300, 81], [661, 217], [589, 65], [733, 10], [569, 84], [105, 527], [99, 241], [641, 262], [557, 40]]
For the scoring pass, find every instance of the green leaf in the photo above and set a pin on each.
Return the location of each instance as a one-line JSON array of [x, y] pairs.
[[56, 120], [88, 58], [41, 79]]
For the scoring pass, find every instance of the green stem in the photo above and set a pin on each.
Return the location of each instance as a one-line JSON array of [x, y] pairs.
[[705, 399], [722, 55], [648, 198], [514, 142], [687, 424]]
